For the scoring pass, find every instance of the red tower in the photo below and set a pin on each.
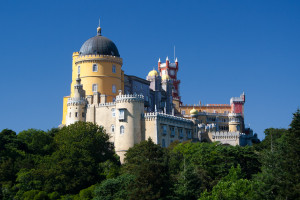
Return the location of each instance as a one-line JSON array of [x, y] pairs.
[[171, 70]]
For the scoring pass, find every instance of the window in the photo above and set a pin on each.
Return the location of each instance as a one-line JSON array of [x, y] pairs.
[[164, 128], [113, 112], [95, 87], [122, 129], [183, 112], [114, 68], [114, 90], [172, 131], [189, 134], [180, 133], [69, 114], [112, 128], [76, 114], [78, 70], [163, 143], [95, 67], [121, 114], [83, 115]]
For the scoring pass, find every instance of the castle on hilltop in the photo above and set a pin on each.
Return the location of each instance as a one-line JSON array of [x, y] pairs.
[[132, 109]]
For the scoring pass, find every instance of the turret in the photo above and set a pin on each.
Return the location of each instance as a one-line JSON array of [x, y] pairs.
[[235, 122], [129, 111], [76, 106]]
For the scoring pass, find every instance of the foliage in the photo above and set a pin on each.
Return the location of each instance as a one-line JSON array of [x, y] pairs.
[[232, 186], [115, 188], [148, 162]]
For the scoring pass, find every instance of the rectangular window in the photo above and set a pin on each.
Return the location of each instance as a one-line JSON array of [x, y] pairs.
[[164, 128], [95, 67], [183, 112], [76, 114], [172, 131], [114, 89], [114, 68], [180, 133], [113, 112], [121, 114], [95, 88], [189, 134]]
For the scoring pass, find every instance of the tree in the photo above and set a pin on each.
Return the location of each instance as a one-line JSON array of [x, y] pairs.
[[233, 186], [114, 188], [148, 162], [81, 148], [280, 174]]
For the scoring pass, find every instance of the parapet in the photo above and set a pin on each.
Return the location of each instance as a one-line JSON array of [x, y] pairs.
[[76, 101], [130, 98], [108, 58], [157, 115]]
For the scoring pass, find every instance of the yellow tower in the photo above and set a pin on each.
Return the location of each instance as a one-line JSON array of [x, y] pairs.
[[99, 65]]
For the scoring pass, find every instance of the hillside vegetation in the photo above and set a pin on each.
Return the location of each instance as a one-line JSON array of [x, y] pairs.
[[79, 163]]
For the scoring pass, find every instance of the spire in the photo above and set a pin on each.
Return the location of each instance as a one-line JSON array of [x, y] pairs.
[[99, 28], [176, 60], [167, 59], [159, 60]]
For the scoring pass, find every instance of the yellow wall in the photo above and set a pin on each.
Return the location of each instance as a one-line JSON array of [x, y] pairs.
[[104, 77], [65, 109]]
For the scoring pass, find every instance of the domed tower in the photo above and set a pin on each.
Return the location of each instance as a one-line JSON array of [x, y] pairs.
[[76, 106], [129, 111], [99, 65]]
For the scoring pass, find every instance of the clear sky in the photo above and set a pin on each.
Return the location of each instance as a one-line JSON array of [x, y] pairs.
[[223, 49]]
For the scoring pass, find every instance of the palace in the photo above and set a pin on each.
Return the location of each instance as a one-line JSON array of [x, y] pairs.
[[132, 109]]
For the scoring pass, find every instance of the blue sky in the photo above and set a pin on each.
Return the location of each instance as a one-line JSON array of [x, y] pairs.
[[223, 48]]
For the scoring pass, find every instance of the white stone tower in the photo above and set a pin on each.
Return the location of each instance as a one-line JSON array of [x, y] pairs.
[[76, 105], [129, 112]]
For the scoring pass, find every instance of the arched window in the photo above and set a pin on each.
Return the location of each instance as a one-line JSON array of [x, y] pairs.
[[78, 70], [95, 88], [114, 68], [122, 129], [112, 128], [114, 90], [95, 67], [163, 143], [76, 114]]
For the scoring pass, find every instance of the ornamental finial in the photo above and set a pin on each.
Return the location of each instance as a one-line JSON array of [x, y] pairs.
[[99, 28]]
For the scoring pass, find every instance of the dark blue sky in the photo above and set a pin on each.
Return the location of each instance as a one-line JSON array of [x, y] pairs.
[[223, 48]]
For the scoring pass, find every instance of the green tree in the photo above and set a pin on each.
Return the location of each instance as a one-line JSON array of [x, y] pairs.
[[148, 162], [280, 174], [232, 186], [115, 188], [76, 164]]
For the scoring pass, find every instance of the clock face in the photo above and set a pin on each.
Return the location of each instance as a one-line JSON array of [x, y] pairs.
[[172, 72]]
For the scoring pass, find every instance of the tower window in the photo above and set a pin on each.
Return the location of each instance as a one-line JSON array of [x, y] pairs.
[[113, 112], [95, 88], [69, 114], [121, 114], [83, 115], [114, 90], [112, 128], [122, 129], [76, 114], [78, 70], [114, 68], [95, 67]]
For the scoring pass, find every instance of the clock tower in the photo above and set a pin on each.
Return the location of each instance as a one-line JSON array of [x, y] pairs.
[[171, 69]]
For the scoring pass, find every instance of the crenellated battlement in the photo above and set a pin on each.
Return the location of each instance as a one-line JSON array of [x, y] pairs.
[[129, 98], [152, 115], [76, 101], [90, 58], [107, 104]]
